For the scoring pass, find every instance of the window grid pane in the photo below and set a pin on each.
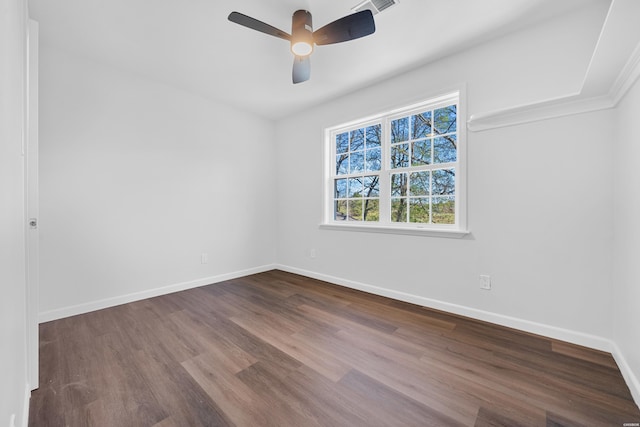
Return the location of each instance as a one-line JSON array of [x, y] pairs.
[[417, 140], [424, 143], [357, 198], [425, 197]]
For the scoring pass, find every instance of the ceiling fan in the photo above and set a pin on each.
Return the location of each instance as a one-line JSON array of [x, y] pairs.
[[303, 38]]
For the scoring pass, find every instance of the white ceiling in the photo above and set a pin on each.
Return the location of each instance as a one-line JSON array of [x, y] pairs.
[[191, 45]]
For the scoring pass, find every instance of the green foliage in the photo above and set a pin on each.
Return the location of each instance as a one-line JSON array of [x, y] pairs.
[[443, 210], [371, 210], [399, 210]]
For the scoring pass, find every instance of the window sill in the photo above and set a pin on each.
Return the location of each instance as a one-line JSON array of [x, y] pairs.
[[413, 231]]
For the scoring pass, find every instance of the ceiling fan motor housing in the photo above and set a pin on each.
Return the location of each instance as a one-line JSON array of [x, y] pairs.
[[301, 31]]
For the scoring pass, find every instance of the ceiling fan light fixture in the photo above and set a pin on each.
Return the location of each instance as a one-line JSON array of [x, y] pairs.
[[301, 48], [301, 33]]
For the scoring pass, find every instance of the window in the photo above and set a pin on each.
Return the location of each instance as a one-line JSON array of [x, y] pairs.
[[401, 170]]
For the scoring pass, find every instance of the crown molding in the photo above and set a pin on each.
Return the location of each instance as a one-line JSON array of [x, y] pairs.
[[604, 84], [627, 77], [544, 110]]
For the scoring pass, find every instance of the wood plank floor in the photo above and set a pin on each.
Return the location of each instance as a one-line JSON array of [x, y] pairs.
[[277, 349]]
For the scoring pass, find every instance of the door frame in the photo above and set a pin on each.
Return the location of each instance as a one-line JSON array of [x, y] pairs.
[[32, 206]]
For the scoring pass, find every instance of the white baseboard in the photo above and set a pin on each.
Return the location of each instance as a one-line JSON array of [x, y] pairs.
[[549, 331], [73, 310], [25, 405], [631, 379]]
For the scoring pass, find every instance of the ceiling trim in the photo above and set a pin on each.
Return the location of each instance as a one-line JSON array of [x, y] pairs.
[[627, 77], [605, 83]]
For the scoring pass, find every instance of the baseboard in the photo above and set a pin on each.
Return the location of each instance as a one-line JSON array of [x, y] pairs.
[[631, 379], [60, 313], [549, 331], [25, 405]]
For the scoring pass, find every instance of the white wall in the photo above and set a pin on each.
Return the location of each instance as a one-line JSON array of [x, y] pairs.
[[13, 356], [626, 247], [539, 204], [137, 179]]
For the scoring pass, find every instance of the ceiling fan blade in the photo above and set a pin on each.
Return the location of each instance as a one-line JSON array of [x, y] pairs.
[[254, 24], [301, 69], [350, 27]]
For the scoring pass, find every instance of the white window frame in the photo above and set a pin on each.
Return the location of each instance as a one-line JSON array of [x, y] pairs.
[[385, 225]]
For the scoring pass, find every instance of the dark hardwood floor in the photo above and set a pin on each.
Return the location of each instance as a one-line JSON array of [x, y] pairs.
[[277, 349]]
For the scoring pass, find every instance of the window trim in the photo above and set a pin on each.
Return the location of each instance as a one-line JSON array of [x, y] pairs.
[[384, 229], [435, 230]]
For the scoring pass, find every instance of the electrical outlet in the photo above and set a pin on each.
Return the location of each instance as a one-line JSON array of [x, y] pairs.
[[12, 420], [204, 258], [485, 282], [312, 253]]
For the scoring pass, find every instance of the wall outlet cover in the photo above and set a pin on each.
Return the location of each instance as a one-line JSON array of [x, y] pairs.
[[485, 282]]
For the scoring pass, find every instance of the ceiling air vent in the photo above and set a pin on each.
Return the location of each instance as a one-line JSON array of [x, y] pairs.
[[374, 6]]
